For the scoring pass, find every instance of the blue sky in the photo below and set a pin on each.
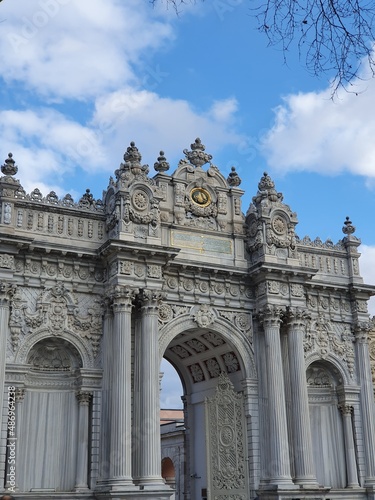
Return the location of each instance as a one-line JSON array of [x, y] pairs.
[[81, 79]]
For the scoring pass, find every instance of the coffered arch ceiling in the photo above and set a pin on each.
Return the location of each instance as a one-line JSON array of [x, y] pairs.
[[199, 355]]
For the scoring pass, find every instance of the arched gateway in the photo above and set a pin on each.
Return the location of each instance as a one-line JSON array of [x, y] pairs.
[[269, 334]]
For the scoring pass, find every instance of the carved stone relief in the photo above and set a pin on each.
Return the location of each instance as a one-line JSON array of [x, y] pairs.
[[57, 310], [323, 337], [226, 442]]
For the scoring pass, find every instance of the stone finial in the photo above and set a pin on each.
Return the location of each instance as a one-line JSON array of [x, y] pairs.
[[266, 190], [87, 199], [348, 227], [197, 156], [233, 179], [161, 165], [132, 155], [133, 159], [9, 167]]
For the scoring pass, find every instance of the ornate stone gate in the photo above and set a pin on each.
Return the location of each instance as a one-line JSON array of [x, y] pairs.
[[94, 293]]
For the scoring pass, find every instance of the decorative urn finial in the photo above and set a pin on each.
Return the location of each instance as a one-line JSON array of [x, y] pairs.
[[161, 165], [9, 167], [234, 179], [197, 156], [348, 227], [133, 157]]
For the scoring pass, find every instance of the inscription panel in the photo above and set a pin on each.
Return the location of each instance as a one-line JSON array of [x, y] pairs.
[[201, 243]]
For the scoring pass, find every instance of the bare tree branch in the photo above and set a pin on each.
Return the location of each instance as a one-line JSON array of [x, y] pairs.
[[333, 37]]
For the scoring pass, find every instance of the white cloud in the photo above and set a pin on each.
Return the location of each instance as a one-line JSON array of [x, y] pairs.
[[160, 123], [367, 264], [315, 133], [46, 145], [64, 51], [69, 49]]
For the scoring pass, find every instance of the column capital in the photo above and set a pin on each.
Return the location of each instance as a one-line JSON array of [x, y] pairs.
[[345, 409], [19, 394], [362, 332], [150, 299], [84, 397], [122, 297], [296, 317], [7, 290], [271, 315]]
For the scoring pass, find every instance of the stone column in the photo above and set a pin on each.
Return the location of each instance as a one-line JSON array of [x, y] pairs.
[[84, 399], [367, 400], [119, 344], [302, 441], [4, 332], [4, 328], [12, 464], [351, 463], [279, 473], [146, 386]]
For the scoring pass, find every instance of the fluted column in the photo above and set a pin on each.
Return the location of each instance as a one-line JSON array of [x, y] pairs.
[[84, 399], [4, 327], [351, 463], [302, 441], [367, 400], [16, 396], [279, 473], [120, 473], [5, 290], [146, 385]]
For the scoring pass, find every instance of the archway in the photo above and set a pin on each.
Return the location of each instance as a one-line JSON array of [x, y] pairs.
[[201, 356], [47, 438], [168, 474], [327, 431]]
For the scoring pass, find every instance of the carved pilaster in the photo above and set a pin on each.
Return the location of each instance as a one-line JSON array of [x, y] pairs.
[[6, 291], [302, 441], [367, 398], [351, 463], [84, 398], [279, 466]]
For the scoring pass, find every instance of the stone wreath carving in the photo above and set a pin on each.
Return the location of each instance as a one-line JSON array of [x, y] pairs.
[[200, 210], [131, 215]]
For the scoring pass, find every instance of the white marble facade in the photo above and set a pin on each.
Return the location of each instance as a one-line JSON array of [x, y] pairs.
[[268, 332]]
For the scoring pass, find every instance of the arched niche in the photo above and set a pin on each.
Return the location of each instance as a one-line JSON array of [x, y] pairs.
[[323, 380], [47, 418]]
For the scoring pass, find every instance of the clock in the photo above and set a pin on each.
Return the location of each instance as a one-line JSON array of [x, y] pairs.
[[200, 196]]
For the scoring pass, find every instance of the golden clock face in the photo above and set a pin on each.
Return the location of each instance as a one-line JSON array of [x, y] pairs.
[[200, 197]]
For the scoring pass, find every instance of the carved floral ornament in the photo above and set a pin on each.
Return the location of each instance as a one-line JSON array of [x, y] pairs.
[[325, 339], [57, 311]]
